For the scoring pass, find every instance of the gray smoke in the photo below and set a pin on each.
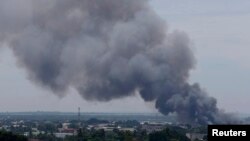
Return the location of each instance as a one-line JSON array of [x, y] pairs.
[[106, 49]]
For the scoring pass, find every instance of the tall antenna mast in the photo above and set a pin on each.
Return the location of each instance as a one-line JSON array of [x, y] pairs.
[[79, 114]]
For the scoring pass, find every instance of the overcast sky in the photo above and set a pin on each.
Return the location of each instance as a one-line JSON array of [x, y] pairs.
[[220, 33]]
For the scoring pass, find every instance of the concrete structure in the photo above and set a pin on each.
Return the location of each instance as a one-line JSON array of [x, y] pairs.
[[194, 136], [63, 135], [153, 127]]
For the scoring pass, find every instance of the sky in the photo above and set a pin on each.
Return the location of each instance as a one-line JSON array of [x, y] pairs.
[[219, 33]]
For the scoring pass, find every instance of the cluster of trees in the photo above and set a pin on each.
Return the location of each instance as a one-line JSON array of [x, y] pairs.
[[167, 135], [128, 123], [116, 135], [8, 136], [101, 135]]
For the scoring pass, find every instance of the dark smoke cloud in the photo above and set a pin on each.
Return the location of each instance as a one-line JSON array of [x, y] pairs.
[[106, 49]]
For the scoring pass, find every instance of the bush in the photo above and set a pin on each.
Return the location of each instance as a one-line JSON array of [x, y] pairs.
[[8, 136]]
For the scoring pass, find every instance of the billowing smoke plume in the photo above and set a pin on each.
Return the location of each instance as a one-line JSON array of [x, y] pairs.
[[106, 49]]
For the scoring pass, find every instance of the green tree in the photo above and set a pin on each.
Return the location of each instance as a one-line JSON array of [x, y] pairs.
[[167, 135], [8, 136]]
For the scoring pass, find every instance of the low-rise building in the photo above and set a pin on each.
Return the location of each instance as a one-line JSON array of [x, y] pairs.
[[194, 136], [63, 135], [152, 127]]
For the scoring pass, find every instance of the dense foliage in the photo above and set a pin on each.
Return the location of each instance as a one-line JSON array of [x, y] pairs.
[[8, 136], [116, 135], [167, 135]]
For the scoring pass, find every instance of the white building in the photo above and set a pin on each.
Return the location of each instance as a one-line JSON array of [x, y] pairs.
[[63, 135], [153, 127], [194, 136]]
